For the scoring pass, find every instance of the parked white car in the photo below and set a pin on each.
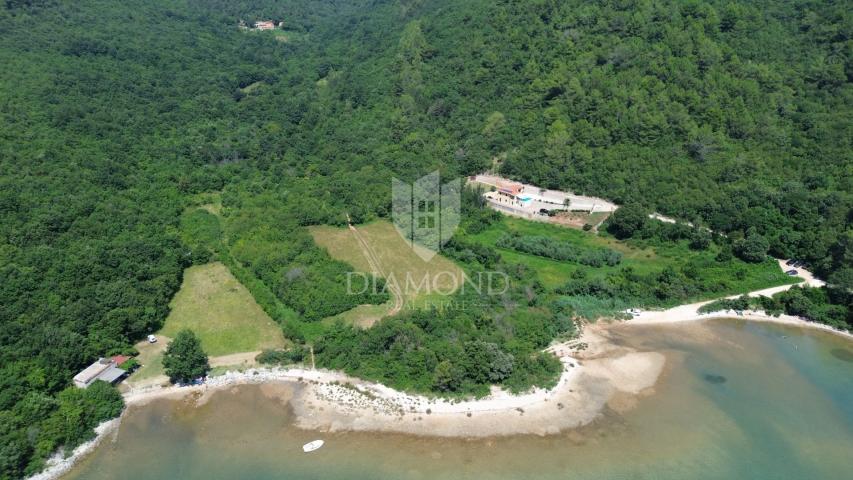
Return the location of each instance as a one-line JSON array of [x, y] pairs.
[[152, 339]]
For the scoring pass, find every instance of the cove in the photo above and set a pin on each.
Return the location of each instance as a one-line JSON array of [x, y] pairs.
[[736, 400]]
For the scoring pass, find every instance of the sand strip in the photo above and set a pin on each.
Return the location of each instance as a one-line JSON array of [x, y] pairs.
[[333, 401]]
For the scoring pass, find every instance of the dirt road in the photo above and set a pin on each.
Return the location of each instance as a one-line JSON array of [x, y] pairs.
[[243, 358], [690, 312]]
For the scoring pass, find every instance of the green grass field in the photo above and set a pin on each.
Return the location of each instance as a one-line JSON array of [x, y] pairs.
[[362, 315], [223, 314], [740, 277], [151, 360], [555, 273], [396, 259]]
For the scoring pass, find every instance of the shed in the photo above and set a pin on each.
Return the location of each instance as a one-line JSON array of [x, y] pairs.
[[104, 369]]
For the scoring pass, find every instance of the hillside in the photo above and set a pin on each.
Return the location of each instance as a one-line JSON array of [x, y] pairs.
[[116, 116]]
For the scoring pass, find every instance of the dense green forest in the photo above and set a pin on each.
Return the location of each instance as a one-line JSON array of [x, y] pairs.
[[115, 116]]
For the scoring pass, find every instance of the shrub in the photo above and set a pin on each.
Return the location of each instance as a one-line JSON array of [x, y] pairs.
[[129, 365], [627, 220], [753, 248], [282, 357], [558, 250]]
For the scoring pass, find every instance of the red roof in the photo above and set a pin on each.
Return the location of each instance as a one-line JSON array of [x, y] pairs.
[[510, 188], [119, 359]]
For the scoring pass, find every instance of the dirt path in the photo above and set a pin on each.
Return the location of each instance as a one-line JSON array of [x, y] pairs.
[[374, 263], [690, 312], [243, 358]]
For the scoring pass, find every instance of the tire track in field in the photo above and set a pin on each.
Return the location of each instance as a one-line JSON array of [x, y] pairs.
[[373, 261]]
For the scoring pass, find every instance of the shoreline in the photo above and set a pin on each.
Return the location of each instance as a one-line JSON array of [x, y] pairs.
[[750, 315], [58, 465], [690, 312], [589, 381], [603, 375], [332, 401], [600, 377]]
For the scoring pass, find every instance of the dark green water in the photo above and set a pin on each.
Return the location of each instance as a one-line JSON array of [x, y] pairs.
[[737, 400]]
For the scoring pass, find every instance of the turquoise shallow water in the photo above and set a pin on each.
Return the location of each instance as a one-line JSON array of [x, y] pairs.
[[737, 400]]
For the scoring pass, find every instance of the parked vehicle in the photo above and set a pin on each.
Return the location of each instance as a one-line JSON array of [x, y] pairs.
[[792, 272], [790, 262], [152, 339]]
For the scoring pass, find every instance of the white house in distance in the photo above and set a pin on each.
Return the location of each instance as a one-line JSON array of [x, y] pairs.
[[104, 369], [261, 25], [530, 201]]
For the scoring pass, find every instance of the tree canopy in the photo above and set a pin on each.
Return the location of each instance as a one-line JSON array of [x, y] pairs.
[[627, 221], [115, 117], [753, 247], [184, 359]]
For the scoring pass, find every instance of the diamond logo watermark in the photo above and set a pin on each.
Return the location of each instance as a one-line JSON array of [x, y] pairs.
[[426, 213]]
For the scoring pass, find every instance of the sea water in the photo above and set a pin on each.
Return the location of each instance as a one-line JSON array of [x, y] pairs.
[[736, 400]]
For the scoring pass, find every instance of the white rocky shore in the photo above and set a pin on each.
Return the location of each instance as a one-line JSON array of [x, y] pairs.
[[333, 401], [601, 375], [59, 464]]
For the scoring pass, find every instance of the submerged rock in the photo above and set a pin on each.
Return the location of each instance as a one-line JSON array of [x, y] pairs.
[[842, 354], [714, 379]]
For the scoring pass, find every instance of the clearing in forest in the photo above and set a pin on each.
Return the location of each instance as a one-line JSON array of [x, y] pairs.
[[150, 358], [224, 315], [377, 248], [577, 220]]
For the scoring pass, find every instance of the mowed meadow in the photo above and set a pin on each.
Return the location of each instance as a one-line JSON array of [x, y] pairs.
[[222, 314], [423, 284]]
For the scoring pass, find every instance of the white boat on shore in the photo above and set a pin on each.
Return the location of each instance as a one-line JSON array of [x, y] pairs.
[[311, 446]]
